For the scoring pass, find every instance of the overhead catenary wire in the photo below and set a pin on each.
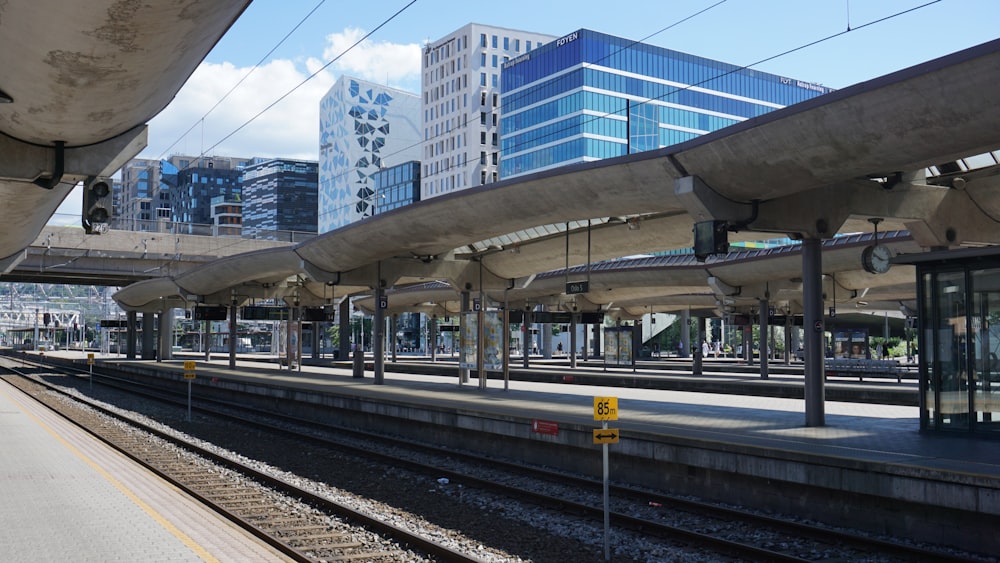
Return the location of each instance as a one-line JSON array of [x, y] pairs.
[[311, 76], [241, 80]]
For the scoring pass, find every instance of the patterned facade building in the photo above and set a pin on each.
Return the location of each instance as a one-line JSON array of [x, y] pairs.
[[364, 127], [280, 195], [588, 96], [460, 86]]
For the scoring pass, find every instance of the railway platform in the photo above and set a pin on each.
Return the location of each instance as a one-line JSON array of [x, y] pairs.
[[869, 467], [69, 497]]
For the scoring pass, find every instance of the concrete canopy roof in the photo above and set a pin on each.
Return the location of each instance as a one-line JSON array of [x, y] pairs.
[[806, 168], [80, 80]]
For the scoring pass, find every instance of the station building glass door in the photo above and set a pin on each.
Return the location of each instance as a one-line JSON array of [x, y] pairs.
[[959, 346]]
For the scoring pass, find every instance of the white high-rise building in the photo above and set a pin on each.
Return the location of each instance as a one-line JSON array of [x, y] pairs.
[[364, 127], [461, 103]]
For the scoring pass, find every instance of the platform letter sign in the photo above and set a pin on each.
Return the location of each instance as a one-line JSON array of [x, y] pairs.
[[573, 288]]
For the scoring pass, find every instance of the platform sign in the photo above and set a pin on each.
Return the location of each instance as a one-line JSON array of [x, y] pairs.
[[576, 287], [605, 408], [90, 358], [545, 427], [606, 436], [189, 366]]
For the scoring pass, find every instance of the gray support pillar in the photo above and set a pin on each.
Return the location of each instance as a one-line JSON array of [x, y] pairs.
[[206, 341], [463, 373], [812, 301], [233, 336], [394, 328], [378, 327], [765, 343], [685, 333], [130, 335], [789, 327], [505, 316], [432, 340], [481, 341], [344, 332], [597, 342], [746, 338], [572, 340], [636, 341], [527, 338], [166, 336], [546, 338], [796, 338], [318, 328], [696, 365], [585, 332], [148, 336]]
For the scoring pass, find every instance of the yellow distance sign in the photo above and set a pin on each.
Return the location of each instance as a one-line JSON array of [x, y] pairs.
[[605, 408], [90, 358], [189, 366], [189, 375]]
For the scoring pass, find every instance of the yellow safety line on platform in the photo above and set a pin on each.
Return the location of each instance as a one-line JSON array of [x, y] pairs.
[[159, 518]]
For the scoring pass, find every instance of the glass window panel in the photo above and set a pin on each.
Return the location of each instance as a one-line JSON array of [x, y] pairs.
[[985, 349], [949, 334]]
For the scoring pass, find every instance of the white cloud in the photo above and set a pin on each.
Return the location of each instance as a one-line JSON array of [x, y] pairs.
[[382, 62], [289, 129]]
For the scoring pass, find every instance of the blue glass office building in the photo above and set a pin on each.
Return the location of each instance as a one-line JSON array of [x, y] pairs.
[[588, 96], [280, 195], [396, 186]]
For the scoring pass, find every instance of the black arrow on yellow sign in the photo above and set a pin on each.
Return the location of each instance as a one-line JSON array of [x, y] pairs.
[[606, 436]]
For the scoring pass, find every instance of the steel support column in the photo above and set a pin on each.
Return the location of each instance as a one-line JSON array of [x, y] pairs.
[[344, 332], [765, 356], [378, 327], [148, 336], [572, 340], [393, 329], [432, 339], [130, 335], [526, 343], [207, 341], [233, 336], [696, 365], [463, 373], [165, 320], [685, 348], [812, 301]]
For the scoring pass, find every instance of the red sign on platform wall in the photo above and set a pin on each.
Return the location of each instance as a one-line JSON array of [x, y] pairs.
[[544, 427]]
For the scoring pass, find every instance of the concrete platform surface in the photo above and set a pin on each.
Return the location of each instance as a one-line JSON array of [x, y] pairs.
[[68, 497]]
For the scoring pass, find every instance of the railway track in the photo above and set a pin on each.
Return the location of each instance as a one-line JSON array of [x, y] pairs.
[[301, 525], [706, 526]]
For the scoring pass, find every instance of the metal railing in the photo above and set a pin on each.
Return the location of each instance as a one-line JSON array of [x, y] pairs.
[[199, 229]]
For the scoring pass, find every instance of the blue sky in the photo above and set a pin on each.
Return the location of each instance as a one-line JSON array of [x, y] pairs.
[[735, 31]]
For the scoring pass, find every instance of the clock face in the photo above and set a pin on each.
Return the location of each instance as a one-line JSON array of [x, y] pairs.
[[875, 259]]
